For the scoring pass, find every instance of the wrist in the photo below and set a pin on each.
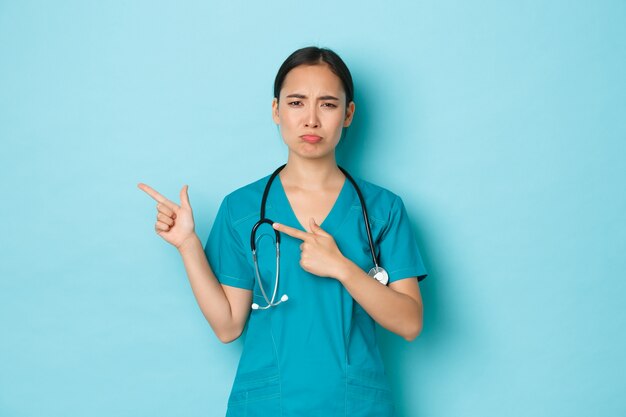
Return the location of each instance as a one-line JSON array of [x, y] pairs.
[[345, 270], [188, 243]]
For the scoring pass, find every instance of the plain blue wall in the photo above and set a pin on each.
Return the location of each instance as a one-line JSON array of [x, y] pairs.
[[501, 124]]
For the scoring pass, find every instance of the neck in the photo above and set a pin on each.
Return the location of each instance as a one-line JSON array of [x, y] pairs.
[[311, 174]]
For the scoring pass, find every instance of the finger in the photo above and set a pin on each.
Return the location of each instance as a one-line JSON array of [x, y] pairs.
[[165, 219], [298, 234], [162, 208], [155, 195], [161, 227], [184, 197], [316, 228]]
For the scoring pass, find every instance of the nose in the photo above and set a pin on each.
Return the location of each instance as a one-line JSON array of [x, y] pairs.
[[312, 119]]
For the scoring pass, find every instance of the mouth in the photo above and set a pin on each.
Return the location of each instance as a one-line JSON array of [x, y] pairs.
[[311, 138]]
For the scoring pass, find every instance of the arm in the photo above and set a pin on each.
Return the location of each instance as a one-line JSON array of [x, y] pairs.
[[225, 308], [397, 307]]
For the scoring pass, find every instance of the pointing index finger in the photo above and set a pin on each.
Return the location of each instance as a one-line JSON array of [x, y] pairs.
[[291, 231], [155, 195]]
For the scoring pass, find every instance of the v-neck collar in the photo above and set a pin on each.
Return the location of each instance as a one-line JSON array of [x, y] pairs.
[[338, 211]]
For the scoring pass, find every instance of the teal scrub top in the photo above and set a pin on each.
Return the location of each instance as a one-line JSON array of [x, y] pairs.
[[315, 354]]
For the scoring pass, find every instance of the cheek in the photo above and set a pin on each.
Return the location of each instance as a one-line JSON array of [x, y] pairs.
[[287, 129], [330, 117], [288, 119], [337, 123]]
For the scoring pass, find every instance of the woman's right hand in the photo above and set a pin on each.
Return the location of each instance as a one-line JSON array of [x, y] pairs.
[[174, 223]]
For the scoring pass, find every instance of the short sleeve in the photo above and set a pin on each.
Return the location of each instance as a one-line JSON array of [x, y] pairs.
[[398, 250], [226, 253]]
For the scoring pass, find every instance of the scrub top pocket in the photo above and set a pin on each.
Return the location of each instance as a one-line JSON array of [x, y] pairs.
[[255, 393], [368, 393]]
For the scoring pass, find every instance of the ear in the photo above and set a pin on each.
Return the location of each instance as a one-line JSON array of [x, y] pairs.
[[349, 114], [275, 111]]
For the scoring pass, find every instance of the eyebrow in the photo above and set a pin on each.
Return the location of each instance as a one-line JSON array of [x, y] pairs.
[[321, 98]]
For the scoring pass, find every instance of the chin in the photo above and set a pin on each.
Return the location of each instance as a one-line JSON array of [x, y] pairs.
[[307, 155], [312, 153]]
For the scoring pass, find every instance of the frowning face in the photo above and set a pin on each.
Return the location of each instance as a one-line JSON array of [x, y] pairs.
[[312, 111]]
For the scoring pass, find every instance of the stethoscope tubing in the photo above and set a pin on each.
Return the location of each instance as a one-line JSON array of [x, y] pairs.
[[365, 216], [265, 220]]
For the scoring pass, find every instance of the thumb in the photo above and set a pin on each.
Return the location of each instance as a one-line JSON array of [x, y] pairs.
[[316, 228], [184, 197]]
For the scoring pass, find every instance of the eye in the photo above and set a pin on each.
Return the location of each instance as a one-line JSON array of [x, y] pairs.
[[295, 103], [330, 105]]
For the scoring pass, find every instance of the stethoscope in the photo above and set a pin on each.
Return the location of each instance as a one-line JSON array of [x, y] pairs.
[[376, 272]]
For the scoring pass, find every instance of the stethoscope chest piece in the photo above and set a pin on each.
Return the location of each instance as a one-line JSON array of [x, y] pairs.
[[379, 274]]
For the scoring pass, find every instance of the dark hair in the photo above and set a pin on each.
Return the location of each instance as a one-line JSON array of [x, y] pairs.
[[313, 55]]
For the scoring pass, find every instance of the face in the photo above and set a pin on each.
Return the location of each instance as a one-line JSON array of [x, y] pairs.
[[312, 111]]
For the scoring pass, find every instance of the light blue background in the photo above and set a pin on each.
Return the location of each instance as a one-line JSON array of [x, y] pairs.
[[501, 124]]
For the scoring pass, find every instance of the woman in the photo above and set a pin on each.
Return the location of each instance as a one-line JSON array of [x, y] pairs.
[[310, 346]]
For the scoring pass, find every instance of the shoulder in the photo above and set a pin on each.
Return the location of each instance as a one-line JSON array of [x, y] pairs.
[[245, 201], [380, 202], [375, 191]]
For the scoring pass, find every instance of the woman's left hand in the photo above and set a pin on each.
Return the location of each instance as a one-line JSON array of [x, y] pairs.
[[319, 253]]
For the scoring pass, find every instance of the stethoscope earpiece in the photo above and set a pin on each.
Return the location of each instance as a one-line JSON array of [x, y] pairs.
[[284, 298]]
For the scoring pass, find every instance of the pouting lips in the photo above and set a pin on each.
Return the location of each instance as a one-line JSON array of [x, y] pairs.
[[311, 138]]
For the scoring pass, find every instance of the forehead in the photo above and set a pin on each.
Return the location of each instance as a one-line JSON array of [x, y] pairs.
[[312, 79]]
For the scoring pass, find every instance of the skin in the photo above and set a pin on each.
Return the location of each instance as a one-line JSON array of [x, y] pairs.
[[311, 101]]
